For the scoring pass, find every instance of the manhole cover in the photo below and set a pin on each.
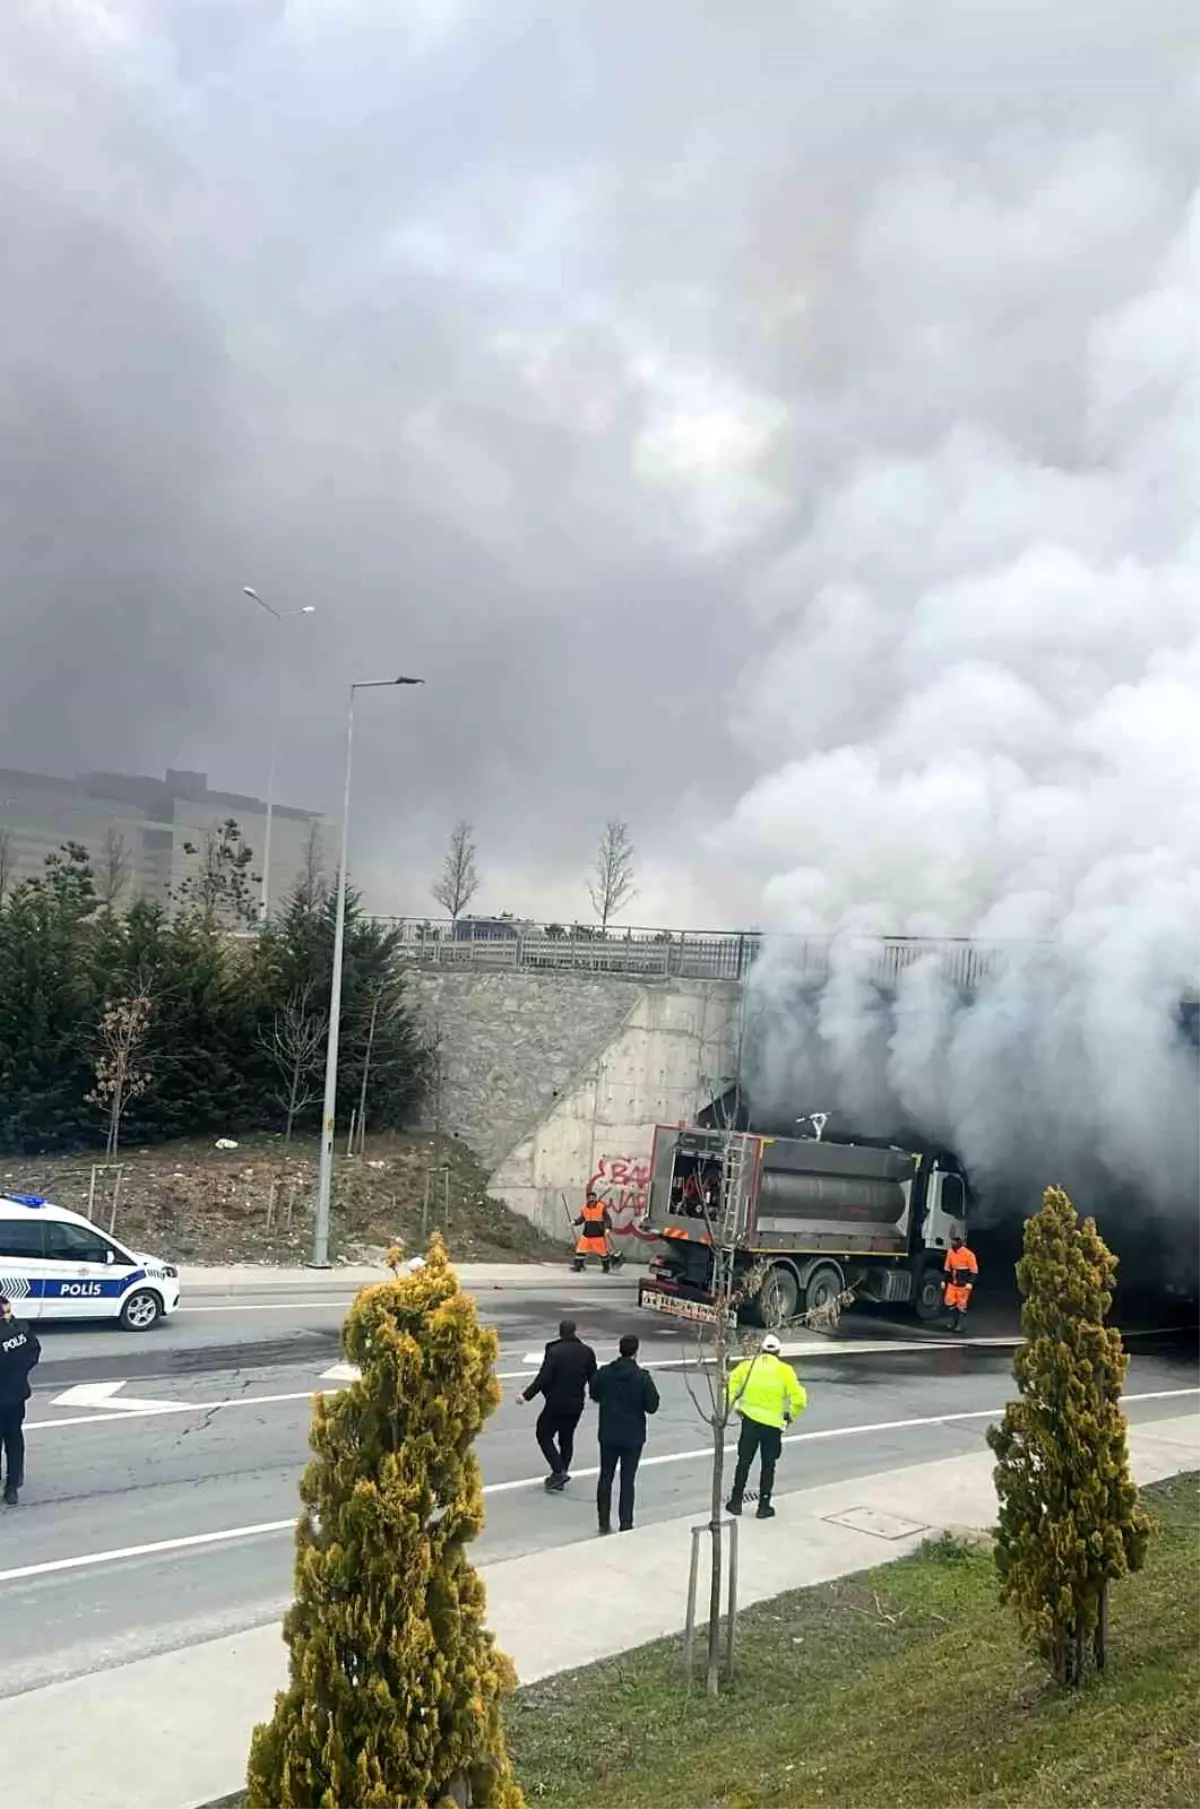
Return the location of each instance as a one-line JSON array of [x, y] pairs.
[[881, 1526]]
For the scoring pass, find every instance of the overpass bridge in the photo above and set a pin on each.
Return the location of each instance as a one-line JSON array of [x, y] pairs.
[[557, 1048]]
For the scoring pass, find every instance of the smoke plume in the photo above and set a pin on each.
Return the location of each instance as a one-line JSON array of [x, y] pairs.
[[977, 713]]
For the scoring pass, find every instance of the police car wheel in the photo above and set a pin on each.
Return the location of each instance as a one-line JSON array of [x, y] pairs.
[[141, 1311]]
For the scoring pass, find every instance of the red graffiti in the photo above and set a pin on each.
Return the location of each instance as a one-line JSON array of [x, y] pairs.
[[623, 1183]]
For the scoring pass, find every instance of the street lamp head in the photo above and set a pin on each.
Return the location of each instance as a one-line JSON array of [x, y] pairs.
[[409, 681], [309, 609]]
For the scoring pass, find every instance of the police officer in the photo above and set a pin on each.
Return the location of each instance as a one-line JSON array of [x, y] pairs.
[[765, 1392], [19, 1354]]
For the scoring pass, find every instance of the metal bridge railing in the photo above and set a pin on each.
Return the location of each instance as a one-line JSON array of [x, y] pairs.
[[504, 944]]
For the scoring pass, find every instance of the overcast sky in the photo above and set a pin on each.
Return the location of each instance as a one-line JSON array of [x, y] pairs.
[[686, 390]]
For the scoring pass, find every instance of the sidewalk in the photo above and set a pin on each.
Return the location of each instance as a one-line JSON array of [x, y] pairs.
[[173, 1732], [249, 1278]]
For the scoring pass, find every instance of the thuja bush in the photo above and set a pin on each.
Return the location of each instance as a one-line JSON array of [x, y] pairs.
[[1069, 1516], [395, 1684]]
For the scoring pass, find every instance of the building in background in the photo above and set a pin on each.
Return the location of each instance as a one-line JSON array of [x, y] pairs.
[[135, 829]]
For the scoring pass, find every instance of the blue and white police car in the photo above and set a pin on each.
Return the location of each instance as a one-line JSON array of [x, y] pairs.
[[56, 1264]]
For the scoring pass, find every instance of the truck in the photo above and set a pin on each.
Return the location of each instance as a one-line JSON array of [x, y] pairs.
[[803, 1220]]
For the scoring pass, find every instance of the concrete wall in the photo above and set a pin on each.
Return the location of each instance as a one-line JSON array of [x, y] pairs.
[[556, 1082]]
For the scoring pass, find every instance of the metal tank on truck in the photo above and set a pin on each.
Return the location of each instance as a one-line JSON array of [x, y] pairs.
[[812, 1218]]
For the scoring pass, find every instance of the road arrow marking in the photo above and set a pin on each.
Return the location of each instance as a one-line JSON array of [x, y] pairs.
[[341, 1372], [104, 1394]]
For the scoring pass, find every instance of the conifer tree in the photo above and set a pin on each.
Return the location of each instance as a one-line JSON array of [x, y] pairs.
[[395, 1688], [1069, 1515]]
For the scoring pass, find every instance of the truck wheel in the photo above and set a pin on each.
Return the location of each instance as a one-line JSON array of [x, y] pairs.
[[824, 1286], [928, 1300], [779, 1297]]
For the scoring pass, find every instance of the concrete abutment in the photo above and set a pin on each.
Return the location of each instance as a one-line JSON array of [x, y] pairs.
[[559, 1080]]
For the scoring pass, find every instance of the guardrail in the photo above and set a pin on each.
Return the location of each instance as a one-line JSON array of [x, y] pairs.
[[504, 945], [497, 945]]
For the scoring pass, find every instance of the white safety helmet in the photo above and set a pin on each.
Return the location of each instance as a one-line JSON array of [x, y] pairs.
[[771, 1344]]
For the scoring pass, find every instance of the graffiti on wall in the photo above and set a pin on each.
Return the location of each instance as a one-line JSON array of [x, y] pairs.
[[623, 1182]]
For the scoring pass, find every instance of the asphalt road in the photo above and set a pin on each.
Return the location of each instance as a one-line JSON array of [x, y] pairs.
[[143, 1530]]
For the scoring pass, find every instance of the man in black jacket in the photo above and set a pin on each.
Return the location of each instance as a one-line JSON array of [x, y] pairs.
[[626, 1394], [19, 1353], [568, 1365]]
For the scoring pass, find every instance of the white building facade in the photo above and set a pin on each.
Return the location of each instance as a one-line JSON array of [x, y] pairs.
[[137, 829]]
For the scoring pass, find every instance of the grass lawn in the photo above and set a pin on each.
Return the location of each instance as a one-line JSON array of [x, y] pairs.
[[903, 1688]]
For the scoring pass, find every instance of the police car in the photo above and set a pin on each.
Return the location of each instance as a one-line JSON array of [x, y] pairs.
[[55, 1264]]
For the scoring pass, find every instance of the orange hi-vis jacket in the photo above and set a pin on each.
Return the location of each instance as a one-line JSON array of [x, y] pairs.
[[962, 1269], [592, 1239]]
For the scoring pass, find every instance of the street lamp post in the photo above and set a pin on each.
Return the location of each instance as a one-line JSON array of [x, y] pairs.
[[320, 1255], [280, 615]]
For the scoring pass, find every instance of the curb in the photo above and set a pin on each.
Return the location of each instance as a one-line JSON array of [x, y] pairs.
[[225, 1283]]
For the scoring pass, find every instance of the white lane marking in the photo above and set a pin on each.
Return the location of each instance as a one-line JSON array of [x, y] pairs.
[[146, 1410], [104, 1394], [341, 1372], [89, 1393], [143, 1551], [269, 1306], [193, 1540], [154, 1410], [302, 1301]]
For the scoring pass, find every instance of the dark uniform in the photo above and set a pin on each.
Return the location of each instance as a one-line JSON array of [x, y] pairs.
[[567, 1367], [19, 1354], [626, 1394]]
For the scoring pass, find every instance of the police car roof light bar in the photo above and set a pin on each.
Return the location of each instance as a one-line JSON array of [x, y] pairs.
[[25, 1199]]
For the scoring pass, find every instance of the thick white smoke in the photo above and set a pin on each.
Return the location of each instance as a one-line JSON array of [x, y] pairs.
[[979, 709]]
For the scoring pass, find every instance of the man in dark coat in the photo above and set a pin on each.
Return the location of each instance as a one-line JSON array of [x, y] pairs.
[[626, 1394], [568, 1365], [19, 1353]]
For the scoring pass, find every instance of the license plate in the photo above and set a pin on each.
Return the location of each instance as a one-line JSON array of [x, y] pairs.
[[699, 1312]]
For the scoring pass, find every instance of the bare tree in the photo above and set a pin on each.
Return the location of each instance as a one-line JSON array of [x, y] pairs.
[[368, 1051], [437, 1072], [612, 885], [120, 1068], [731, 1291], [716, 1409], [8, 861], [458, 881], [296, 1046], [112, 869], [219, 887], [312, 882]]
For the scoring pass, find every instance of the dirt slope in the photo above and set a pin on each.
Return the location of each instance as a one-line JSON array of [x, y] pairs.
[[193, 1203]]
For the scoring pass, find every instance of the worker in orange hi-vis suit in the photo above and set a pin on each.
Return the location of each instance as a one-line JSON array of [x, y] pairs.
[[593, 1236], [962, 1272]]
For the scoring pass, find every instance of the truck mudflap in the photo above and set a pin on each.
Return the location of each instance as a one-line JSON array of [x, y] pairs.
[[658, 1299]]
